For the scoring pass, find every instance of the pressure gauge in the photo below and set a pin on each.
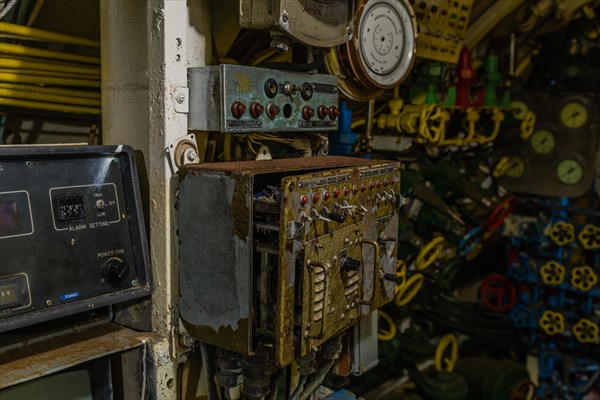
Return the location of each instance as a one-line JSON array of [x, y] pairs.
[[383, 50], [573, 115], [542, 141], [516, 167], [569, 172]]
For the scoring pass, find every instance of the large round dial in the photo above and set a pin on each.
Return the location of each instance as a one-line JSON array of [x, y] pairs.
[[569, 172], [516, 167], [386, 40], [542, 141], [573, 115]]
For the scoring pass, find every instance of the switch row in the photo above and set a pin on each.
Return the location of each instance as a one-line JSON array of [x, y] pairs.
[[238, 109]]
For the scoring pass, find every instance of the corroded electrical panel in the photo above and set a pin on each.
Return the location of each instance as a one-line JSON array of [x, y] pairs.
[[286, 253]]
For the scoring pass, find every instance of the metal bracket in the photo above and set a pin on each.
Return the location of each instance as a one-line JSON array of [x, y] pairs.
[[182, 104]]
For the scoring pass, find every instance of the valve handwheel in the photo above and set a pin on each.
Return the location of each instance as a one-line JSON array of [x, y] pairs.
[[386, 327], [429, 253], [410, 289], [562, 233], [447, 344], [552, 322], [499, 214], [497, 293]]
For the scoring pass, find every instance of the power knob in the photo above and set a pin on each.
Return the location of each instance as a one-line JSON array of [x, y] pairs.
[[116, 270]]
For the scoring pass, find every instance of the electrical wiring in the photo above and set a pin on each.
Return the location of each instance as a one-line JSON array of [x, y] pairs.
[[4, 101], [48, 80], [35, 12], [15, 94], [7, 62], [58, 74], [16, 49], [44, 35], [50, 91]]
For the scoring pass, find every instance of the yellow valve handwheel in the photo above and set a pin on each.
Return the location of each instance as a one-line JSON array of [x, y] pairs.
[[553, 273], [562, 233], [409, 291], [442, 363], [552, 322], [528, 125], [385, 335], [590, 237], [501, 167], [586, 331], [401, 269], [427, 133], [583, 278], [429, 253]]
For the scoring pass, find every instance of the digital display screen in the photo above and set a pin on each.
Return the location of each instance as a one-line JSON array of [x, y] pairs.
[[8, 214], [8, 294]]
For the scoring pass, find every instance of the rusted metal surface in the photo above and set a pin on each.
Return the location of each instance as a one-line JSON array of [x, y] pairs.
[[282, 165], [44, 358], [216, 208], [332, 298]]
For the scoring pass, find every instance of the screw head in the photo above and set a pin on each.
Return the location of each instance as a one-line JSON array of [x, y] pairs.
[[180, 98]]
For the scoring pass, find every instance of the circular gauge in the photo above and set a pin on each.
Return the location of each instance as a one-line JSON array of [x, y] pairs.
[[516, 167], [569, 172], [573, 115], [542, 141], [519, 109], [383, 51]]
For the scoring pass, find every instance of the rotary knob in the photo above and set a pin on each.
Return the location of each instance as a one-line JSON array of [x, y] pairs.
[[308, 113], [116, 270]]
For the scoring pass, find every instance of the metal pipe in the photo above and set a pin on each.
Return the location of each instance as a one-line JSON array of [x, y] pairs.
[[9, 48], [513, 50], [41, 34], [489, 20], [369, 119], [49, 106]]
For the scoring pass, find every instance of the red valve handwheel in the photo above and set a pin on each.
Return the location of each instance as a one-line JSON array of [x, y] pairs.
[[499, 214], [497, 293]]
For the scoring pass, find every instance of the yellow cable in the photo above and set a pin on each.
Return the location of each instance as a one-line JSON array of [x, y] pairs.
[[51, 91], [48, 80], [15, 94], [16, 49], [446, 364], [35, 12], [48, 36], [36, 72], [227, 148], [49, 106], [358, 123], [71, 69], [262, 56]]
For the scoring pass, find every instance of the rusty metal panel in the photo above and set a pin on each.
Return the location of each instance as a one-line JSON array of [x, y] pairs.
[[44, 358], [215, 229], [314, 297]]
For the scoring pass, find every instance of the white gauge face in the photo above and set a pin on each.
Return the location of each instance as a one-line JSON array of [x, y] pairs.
[[387, 41]]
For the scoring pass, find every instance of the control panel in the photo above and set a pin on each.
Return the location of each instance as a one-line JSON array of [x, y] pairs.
[[560, 157], [72, 235], [286, 253], [231, 98], [442, 26]]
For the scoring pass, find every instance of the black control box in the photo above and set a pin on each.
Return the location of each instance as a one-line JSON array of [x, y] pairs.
[[72, 235]]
